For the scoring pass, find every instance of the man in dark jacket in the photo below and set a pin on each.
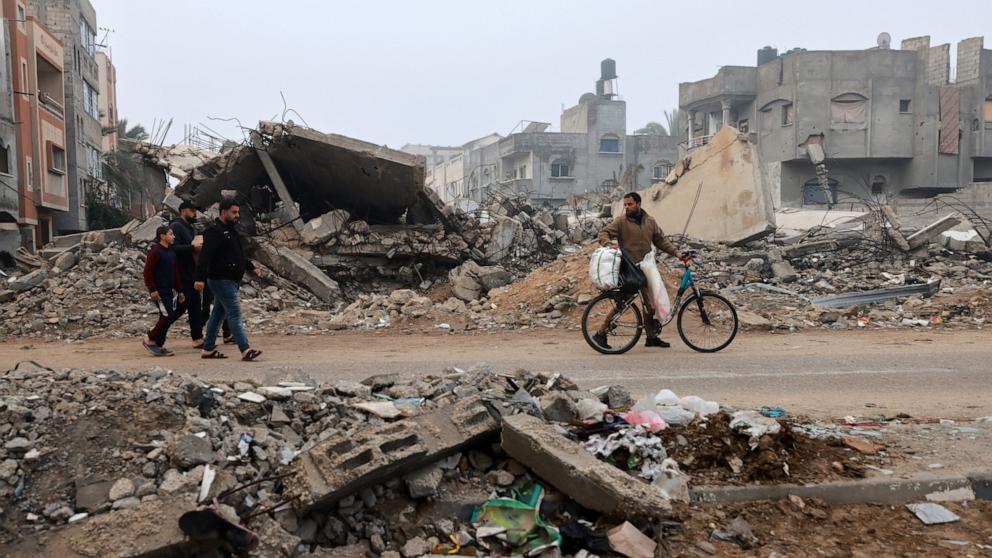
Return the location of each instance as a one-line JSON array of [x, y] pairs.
[[163, 281], [635, 232], [221, 267], [187, 247]]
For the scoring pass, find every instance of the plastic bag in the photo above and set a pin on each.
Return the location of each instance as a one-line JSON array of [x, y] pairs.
[[632, 277], [649, 419], [604, 268], [666, 397], [699, 405], [675, 414], [672, 483], [659, 294], [591, 409]]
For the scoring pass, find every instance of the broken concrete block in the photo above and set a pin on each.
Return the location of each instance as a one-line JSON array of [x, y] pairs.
[[784, 272], [577, 473], [424, 483], [932, 230], [293, 267], [628, 540], [66, 261], [172, 203], [493, 277], [503, 236], [188, 451], [29, 281], [962, 241], [145, 232], [346, 463], [558, 408], [319, 230], [464, 281], [92, 497], [561, 222]]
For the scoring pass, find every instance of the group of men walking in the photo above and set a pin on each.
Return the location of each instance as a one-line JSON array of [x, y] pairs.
[[201, 277]]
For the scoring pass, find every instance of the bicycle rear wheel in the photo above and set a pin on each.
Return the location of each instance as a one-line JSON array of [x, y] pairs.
[[621, 318], [707, 322]]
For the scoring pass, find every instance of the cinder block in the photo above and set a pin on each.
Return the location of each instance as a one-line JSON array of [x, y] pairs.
[[345, 464], [577, 473]]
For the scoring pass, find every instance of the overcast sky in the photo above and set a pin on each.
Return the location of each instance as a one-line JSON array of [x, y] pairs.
[[446, 72]]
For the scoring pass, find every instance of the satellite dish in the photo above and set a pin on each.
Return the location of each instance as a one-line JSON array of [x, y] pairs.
[[884, 40]]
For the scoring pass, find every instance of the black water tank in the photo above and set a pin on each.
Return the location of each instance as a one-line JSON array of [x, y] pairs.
[[766, 55], [608, 69]]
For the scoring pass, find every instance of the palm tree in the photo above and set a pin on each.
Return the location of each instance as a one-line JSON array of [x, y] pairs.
[[137, 132], [674, 120], [653, 128]]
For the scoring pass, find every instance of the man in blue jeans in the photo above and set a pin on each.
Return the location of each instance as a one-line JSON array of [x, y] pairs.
[[222, 265]]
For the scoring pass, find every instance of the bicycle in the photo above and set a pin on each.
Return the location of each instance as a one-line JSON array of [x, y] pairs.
[[702, 315]]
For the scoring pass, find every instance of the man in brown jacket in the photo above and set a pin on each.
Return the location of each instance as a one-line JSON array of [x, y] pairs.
[[636, 232]]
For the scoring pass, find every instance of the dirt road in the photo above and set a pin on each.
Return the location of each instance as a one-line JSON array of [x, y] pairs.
[[873, 372]]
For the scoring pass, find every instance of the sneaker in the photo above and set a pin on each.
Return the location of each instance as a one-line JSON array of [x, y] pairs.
[[600, 339], [152, 348], [656, 342]]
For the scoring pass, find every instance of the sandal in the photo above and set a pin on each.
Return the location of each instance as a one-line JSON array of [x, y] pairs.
[[250, 355], [213, 354], [152, 348]]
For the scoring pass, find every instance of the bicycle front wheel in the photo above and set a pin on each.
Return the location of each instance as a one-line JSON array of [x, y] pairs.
[[707, 322], [618, 317]]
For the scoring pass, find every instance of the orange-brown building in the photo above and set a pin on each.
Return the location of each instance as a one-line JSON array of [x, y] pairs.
[[36, 58]]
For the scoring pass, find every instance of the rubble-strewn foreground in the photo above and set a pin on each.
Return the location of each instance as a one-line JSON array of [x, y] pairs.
[[388, 466]]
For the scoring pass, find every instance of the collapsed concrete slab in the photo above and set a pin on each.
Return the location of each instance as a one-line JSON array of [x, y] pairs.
[[349, 462], [320, 229], [145, 232], [577, 473], [933, 230], [720, 197], [290, 265]]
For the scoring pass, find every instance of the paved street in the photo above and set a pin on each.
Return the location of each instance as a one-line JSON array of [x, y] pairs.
[[819, 373]]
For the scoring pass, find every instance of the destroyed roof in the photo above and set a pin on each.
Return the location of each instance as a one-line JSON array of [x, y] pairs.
[[321, 172]]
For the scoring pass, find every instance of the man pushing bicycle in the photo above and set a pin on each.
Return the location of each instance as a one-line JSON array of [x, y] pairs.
[[635, 232]]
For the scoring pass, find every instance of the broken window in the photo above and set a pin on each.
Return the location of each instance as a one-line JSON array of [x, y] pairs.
[[788, 114], [609, 144], [661, 170], [559, 168], [849, 108], [4, 159], [904, 105], [742, 125]]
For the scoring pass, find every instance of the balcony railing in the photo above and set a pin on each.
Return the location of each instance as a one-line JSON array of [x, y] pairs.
[[51, 104], [695, 142]]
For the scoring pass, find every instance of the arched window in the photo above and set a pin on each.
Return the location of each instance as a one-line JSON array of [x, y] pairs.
[[849, 108], [559, 169], [609, 143], [661, 169]]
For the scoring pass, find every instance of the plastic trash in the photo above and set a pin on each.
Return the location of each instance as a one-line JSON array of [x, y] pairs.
[[755, 424], [656, 286], [675, 414], [590, 409], [604, 268], [699, 405], [773, 412], [672, 483], [514, 524], [666, 397], [649, 419], [244, 444]]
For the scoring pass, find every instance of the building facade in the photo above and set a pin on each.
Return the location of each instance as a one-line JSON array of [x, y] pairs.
[[10, 192], [107, 74], [889, 121], [41, 141], [591, 154], [74, 23]]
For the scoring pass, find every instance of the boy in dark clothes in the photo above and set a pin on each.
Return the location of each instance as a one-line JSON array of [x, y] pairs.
[[163, 281]]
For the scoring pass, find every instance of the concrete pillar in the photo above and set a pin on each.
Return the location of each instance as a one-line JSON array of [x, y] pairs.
[[692, 120], [725, 105]]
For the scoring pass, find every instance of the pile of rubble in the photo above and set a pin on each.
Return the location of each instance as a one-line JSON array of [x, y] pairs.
[[95, 288], [445, 463]]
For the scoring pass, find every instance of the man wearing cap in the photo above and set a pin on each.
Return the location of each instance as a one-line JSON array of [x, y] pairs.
[[186, 246]]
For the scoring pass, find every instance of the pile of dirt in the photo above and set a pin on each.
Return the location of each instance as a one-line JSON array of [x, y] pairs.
[[714, 454]]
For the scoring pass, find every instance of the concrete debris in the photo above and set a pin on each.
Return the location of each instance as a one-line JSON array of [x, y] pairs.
[[933, 514], [625, 539]]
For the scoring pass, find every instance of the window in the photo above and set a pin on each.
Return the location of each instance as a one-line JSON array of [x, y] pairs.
[[30, 174], [93, 157], [849, 108], [661, 169], [24, 77], [21, 17], [988, 110], [788, 114], [523, 171], [56, 158], [91, 101], [4, 159], [904, 105], [559, 168], [609, 144], [87, 37], [742, 126]]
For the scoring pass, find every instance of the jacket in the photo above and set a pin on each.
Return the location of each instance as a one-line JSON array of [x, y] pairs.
[[636, 238], [183, 247], [161, 271], [222, 256]]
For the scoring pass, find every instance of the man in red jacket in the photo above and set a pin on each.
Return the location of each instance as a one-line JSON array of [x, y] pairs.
[[164, 282]]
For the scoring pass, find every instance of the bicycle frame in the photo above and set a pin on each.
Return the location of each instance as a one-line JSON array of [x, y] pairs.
[[688, 284]]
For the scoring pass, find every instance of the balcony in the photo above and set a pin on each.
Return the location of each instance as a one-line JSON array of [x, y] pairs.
[[51, 104]]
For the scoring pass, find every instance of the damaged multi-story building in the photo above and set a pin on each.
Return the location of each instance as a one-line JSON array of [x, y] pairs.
[[888, 122], [10, 191], [592, 153]]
